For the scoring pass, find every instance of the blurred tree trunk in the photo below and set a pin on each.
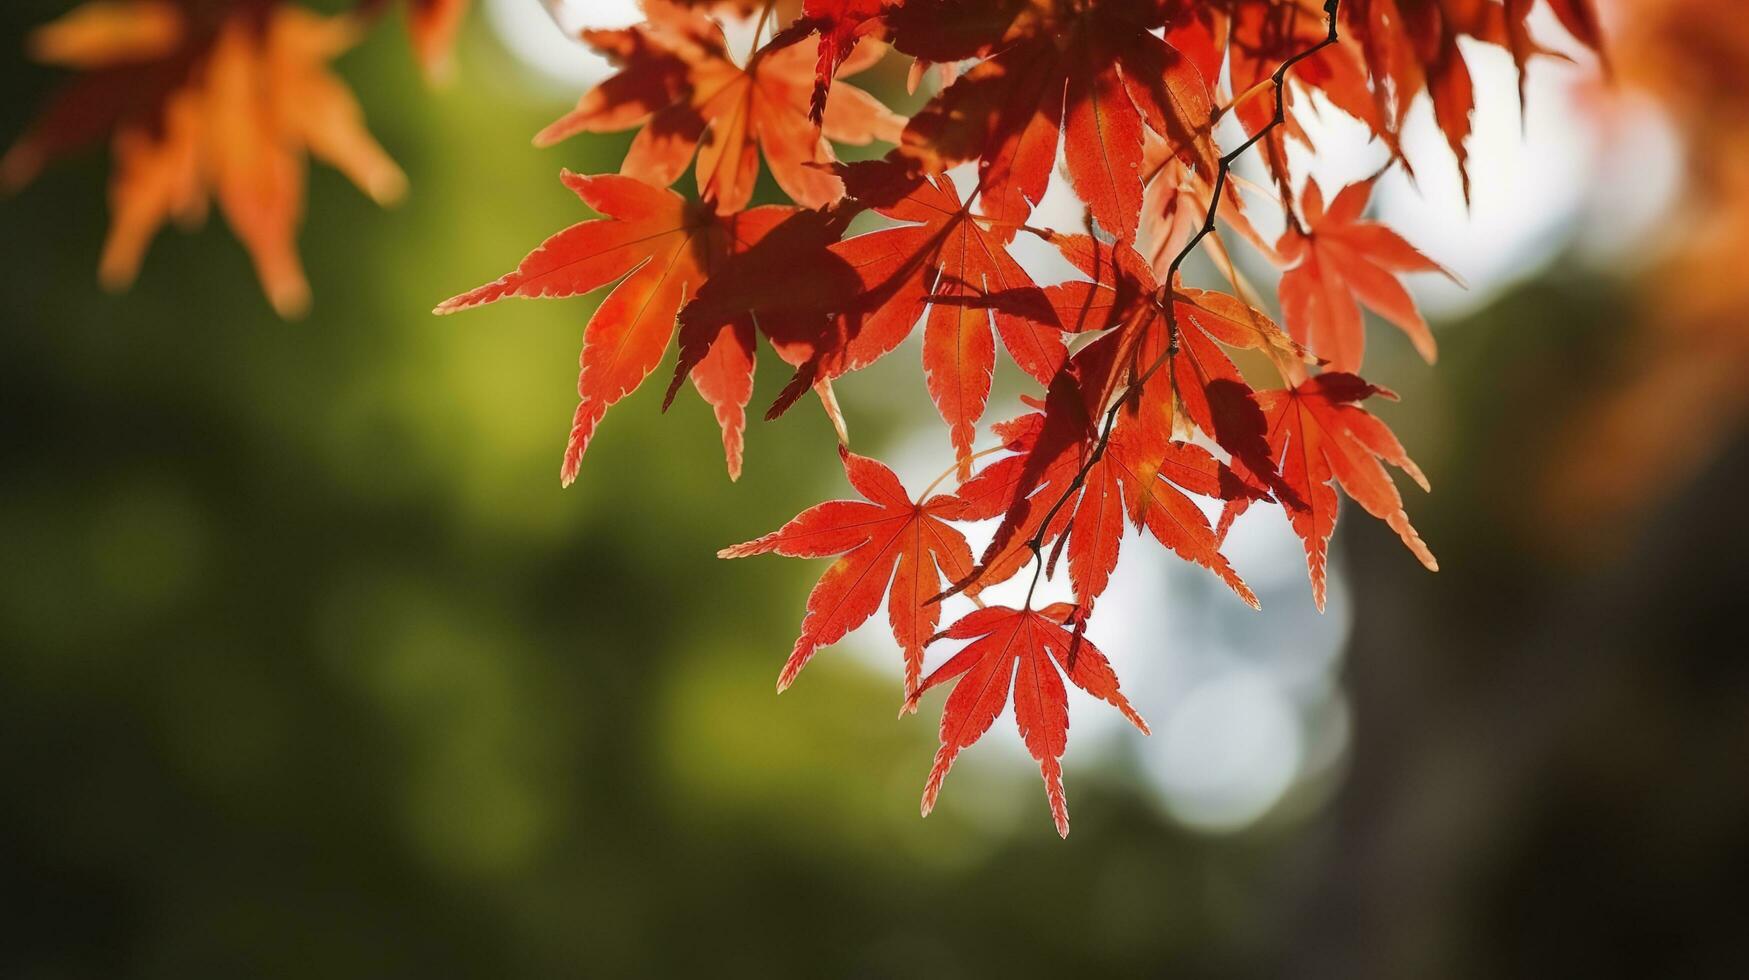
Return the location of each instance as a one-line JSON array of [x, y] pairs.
[[1550, 775]]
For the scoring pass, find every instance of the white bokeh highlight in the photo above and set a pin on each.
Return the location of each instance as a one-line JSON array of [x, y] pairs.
[[1231, 748], [542, 34]]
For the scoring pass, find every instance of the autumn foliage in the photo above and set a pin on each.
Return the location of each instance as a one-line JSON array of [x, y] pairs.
[[205, 103], [1160, 406]]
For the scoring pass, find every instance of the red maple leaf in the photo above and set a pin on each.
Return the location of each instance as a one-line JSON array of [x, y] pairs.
[[1412, 46], [1094, 77], [1579, 17], [1341, 262], [840, 24], [893, 540], [1320, 434], [1030, 652], [680, 84], [1127, 302], [1142, 473], [1175, 205], [848, 304], [659, 249], [1264, 34], [947, 268]]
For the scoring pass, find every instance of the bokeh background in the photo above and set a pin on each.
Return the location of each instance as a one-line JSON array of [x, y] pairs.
[[309, 668]]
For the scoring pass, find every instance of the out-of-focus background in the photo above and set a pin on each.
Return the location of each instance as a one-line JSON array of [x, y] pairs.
[[309, 668]]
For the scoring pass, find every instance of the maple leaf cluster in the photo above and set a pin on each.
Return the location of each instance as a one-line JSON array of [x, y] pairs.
[[1142, 416]]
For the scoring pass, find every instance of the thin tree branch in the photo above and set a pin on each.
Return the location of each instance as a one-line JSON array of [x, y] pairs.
[[1163, 299]]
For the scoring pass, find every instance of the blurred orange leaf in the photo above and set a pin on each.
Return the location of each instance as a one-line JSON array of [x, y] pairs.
[[199, 108]]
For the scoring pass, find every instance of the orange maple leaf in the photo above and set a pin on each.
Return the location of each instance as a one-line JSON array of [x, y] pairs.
[[657, 249], [198, 108], [891, 532], [1142, 473], [1029, 652], [678, 82], [1320, 435], [1339, 262], [1094, 78], [943, 266]]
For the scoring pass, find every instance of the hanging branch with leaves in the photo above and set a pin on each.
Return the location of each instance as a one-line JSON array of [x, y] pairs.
[[1141, 416]]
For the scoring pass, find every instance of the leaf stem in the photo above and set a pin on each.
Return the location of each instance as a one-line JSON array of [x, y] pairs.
[[758, 29], [1241, 99], [951, 470]]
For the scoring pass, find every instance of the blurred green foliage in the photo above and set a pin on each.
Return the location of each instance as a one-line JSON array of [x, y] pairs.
[[309, 668]]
